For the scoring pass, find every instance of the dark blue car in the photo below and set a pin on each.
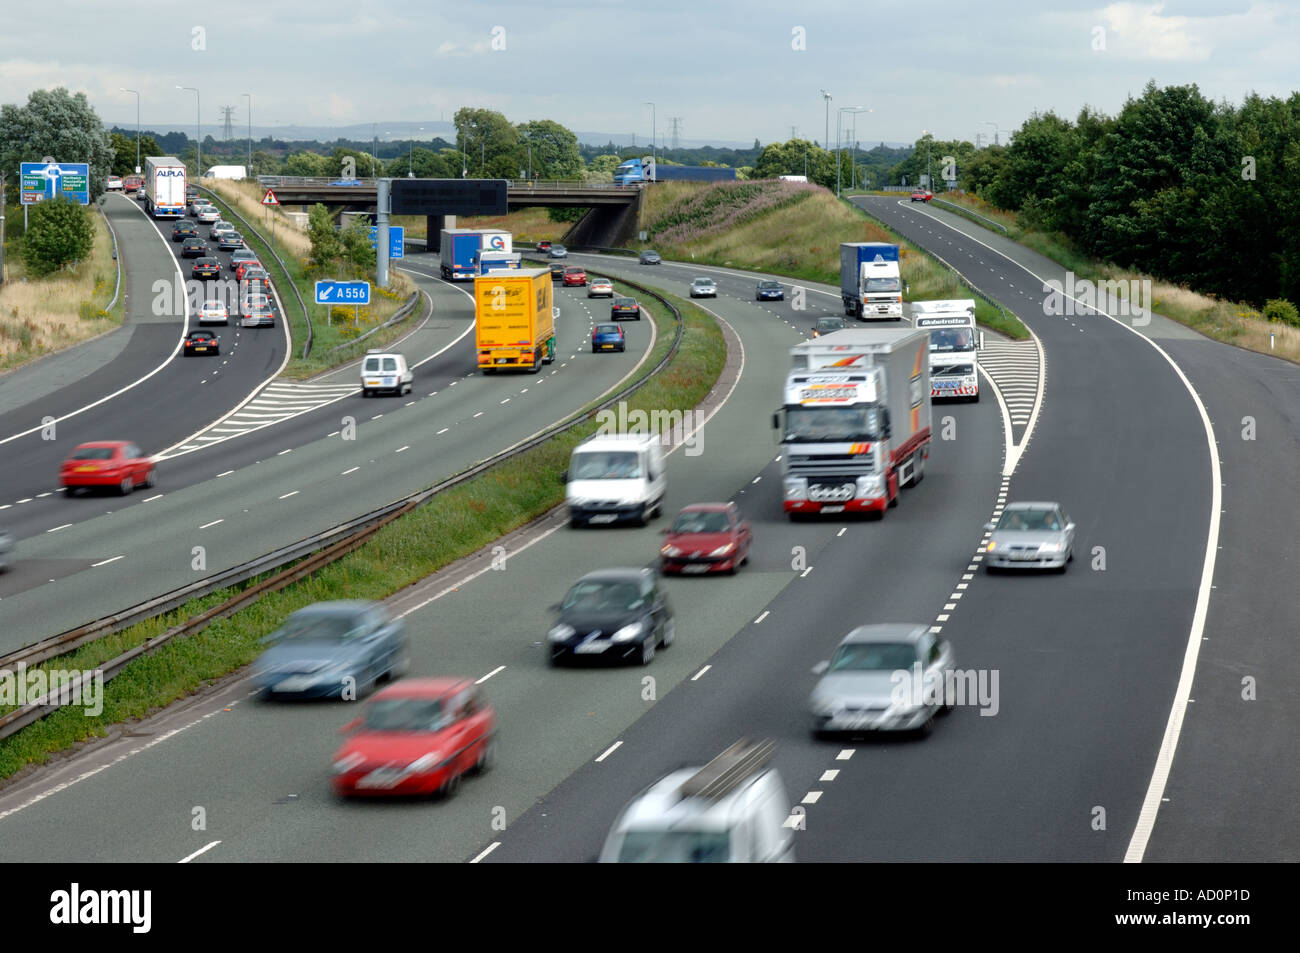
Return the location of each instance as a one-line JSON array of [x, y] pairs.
[[332, 649], [608, 337], [769, 291]]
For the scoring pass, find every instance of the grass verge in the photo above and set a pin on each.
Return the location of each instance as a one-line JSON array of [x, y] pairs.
[[454, 524]]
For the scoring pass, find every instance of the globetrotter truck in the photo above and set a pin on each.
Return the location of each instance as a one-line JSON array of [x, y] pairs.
[[514, 323], [855, 426], [870, 283], [457, 249], [164, 187], [954, 346]]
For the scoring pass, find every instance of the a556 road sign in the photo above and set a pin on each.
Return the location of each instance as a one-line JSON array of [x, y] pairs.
[[343, 292]]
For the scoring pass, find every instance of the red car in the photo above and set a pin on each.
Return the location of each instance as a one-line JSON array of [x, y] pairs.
[[706, 537], [543, 246], [242, 268], [417, 736], [117, 463], [922, 195], [575, 276]]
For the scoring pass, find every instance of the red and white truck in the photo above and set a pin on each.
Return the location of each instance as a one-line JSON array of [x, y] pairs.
[[855, 425]]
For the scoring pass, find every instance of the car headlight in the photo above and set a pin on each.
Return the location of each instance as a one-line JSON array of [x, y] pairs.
[[670, 551], [345, 764], [560, 632], [423, 763], [1049, 548], [723, 550], [628, 632], [991, 546], [796, 488]]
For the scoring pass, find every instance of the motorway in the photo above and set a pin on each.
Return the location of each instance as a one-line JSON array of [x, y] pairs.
[[1088, 662]]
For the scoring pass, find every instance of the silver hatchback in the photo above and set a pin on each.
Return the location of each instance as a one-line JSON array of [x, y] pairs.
[[1030, 536], [888, 677]]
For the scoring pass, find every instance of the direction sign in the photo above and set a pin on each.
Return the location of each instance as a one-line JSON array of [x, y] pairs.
[[395, 239], [47, 180], [342, 292], [269, 198]]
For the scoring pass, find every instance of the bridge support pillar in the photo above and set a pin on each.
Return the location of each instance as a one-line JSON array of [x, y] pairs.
[[434, 224]]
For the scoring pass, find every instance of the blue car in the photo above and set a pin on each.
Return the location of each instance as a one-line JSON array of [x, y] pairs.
[[332, 649], [608, 337], [769, 291], [346, 182]]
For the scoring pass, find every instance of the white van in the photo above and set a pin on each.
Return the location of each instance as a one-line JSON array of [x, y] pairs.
[[733, 810], [385, 371], [615, 478]]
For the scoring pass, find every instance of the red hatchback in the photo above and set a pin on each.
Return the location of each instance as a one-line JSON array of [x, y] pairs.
[[575, 276], [117, 463], [706, 537], [417, 736]]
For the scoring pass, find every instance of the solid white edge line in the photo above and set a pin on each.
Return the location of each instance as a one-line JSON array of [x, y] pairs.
[[201, 850], [487, 850], [105, 562], [1173, 728]]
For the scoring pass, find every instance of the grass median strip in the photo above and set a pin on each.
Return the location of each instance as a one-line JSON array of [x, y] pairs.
[[455, 524]]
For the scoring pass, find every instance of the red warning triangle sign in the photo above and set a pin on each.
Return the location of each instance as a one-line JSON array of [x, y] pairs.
[[269, 198]]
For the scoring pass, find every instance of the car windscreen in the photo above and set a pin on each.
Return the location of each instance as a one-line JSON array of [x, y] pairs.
[[603, 596], [675, 846], [702, 522], [321, 628], [1034, 521], [406, 714], [830, 324], [605, 465], [93, 453], [873, 657], [883, 284], [769, 285], [831, 424]]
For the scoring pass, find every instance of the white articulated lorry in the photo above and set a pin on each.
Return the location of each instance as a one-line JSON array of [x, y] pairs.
[[164, 187], [855, 425], [954, 346]]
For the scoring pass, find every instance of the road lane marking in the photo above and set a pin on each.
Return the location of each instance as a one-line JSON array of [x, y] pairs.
[[57, 528], [499, 668], [765, 614], [201, 850], [697, 675], [609, 751], [490, 847], [213, 523], [287, 495]]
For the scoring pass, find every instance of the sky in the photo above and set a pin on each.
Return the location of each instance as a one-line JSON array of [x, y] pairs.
[[730, 71]]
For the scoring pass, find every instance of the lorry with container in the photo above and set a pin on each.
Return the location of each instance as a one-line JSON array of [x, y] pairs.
[[164, 187], [954, 346], [870, 283], [646, 169], [514, 324], [457, 249], [486, 261], [855, 424], [495, 239]]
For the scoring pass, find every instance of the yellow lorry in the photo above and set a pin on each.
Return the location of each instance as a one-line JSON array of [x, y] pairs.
[[514, 322]]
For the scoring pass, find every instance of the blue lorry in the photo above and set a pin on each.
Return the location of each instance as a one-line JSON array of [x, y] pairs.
[[645, 169], [458, 248]]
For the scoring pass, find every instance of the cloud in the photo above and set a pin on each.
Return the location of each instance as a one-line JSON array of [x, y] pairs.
[[1142, 29]]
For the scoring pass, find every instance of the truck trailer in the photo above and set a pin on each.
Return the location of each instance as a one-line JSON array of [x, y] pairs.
[[855, 424], [457, 250], [954, 346], [870, 283], [645, 169], [488, 261], [514, 323], [164, 187]]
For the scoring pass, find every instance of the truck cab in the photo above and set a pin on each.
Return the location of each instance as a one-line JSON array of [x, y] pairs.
[[732, 810], [954, 347], [871, 285]]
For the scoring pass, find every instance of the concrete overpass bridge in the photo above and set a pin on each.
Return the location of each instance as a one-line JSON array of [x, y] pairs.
[[610, 221]]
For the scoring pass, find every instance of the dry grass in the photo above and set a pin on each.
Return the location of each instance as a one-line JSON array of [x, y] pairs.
[[40, 315], [246, 197]]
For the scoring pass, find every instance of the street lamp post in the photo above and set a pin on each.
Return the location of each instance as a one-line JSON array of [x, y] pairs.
[[839, 115], [137, 126], [374, 147], [198, 130], [929, 179], [826, 141], [249, 170], [654, 132]]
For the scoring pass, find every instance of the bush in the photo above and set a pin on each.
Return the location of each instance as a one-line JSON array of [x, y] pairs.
[[1279, 309], [60, 233]]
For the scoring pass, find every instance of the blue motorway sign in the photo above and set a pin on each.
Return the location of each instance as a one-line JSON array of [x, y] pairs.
[[395, 233], [46, 180], [343, 292]]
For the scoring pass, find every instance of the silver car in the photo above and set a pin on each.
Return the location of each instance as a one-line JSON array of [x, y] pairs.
[[704, 288], [883, 678], [6, 548], [559, 251], [1030, 536]]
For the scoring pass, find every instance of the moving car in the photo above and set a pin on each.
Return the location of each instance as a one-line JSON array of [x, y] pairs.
[[132, 183], [417, 736], [608, 337], [242, 266], [206, 267], [732, 810], [575, 277], [704, 288], [255, 281], [199, 204], [882, 678], [7, 543], [114, 183], [214, 311], [339, 648], [558, 251], [829, 325], [922, 195], [243, 254], [218, 227], [624, 308], [194, 247], [543, 246], [614, 477], [116, 463], [600, 288], [230, 241], [184, 230], [1030, 536], [649, 258], [557, 271], [256, 312], [616, 614], [208, 213], [767, 290], [706, 537], [201, 342], [385, 371]]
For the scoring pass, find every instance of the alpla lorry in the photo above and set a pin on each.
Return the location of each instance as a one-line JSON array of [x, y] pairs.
[[514, 324], [870, 283], [457, 249], [164, 187], [954, 346], [855, 426]]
